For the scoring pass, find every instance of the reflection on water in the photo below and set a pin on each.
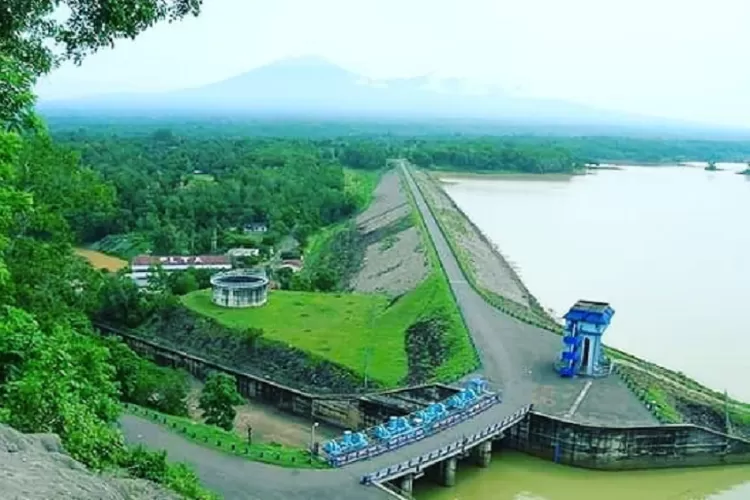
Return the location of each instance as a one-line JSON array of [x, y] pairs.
[[514, 476], [668, 247]]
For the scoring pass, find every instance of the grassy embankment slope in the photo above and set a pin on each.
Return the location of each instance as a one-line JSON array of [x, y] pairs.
[[673, 397], [363, 332]]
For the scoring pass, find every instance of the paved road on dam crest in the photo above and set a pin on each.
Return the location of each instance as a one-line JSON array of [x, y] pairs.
[[515, 356]]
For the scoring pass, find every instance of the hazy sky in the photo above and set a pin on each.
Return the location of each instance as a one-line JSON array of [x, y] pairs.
[[677, 58]]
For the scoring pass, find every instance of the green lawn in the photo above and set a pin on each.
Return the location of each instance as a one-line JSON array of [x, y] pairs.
[[229, 441], [339, 327], [342, 327], [356, 330]]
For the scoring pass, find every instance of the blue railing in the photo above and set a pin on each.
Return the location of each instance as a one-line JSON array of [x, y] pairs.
[[454, 448], [419, 434]]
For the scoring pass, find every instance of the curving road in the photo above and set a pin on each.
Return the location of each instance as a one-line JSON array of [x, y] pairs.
[[515, 356]]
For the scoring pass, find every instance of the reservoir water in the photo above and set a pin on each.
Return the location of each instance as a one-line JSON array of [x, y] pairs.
[[513, 476], [668, 247]]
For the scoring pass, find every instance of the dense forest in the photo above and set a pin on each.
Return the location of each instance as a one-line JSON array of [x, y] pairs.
[[589, 145], [190, 195], [194, 194]]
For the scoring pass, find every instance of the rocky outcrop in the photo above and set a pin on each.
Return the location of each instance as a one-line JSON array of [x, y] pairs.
[[35, 467]]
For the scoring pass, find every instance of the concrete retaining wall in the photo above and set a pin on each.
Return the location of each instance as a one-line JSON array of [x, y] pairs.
[[620, 448], [346, 411]]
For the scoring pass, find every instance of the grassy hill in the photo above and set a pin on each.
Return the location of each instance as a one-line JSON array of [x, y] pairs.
[[405, 335], [359, 331]]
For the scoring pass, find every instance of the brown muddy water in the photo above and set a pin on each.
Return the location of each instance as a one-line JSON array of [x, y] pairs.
[[668, 247]]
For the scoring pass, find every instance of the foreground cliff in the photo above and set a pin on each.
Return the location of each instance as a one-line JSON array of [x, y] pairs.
[[35, 467]]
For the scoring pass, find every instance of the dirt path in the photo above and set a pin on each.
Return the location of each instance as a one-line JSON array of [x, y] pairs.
[[101, 260]]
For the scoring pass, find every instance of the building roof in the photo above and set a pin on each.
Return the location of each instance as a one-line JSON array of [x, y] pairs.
[[243, 252], [181, 260], [597, 313], [292, 262]]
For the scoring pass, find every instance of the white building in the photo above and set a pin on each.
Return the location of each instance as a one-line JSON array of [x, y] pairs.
[[255, 227], [140, 267], [244, 252]]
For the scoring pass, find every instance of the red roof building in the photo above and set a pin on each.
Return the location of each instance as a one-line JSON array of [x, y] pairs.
[[141, 264], [198, 261]]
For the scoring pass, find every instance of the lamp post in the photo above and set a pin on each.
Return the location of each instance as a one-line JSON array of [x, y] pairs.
[[312, 437]]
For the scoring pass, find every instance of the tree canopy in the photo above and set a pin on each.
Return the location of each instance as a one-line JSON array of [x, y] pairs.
[[37, 35], [218, 398], [56, 375]]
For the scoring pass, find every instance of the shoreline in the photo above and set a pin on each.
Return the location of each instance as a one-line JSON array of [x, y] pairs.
[[672, 396], [505, 304], [506, 175]]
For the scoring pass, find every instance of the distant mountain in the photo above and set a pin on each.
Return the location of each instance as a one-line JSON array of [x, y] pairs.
[[313, 86]]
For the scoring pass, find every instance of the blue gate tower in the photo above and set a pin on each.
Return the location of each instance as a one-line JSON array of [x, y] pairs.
[[582, 352]]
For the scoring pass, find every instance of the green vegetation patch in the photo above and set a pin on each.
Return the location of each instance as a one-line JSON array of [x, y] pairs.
[[193, 179], [230, 442], [335, 255], [359, 331], [125, 246], [674, 398], [463, 357], [360, 184], [338, 327]]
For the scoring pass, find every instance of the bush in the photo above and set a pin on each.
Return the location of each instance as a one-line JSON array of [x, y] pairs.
[[153, 466], [146, 384]]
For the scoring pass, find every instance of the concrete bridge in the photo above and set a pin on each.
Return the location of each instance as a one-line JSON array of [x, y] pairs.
[[515, 356]]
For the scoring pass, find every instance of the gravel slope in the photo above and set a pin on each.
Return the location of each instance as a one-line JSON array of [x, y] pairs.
[[490, 269], [394, 261]]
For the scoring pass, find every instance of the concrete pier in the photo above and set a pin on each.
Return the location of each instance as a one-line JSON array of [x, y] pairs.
[[482, 453], [448, 471], [406, 484]]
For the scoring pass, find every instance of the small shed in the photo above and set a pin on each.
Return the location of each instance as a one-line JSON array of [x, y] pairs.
[[255, 227], [582, 352]]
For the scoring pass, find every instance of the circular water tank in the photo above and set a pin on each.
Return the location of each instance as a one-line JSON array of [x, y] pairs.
[[240, 288]]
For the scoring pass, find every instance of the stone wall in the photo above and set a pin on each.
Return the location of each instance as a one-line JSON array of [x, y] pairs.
[[344, 411], [620, 448]]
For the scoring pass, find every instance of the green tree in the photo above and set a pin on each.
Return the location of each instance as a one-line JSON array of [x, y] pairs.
[[31, 30], [122, 303], [183, 282], [146, 384], [324, 279], [55, 376], [218, 398]]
